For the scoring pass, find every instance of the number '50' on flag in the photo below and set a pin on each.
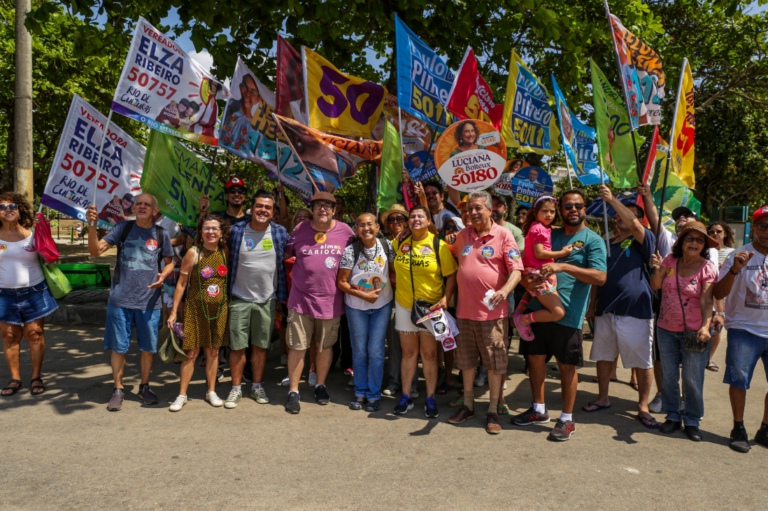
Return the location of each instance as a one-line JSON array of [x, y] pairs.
[[339, 103]]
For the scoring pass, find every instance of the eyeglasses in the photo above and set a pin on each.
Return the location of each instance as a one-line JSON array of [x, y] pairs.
[[211, 229], [573, 205], [393, 219], [236, 191], [363, 226], [691, 239], [758, 227], [430, 194], [716, 232], [322, 205], [10, 207]]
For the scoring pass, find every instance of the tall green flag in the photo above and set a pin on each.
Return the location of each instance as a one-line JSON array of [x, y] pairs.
[[616, 155], [178, 179], [390, 173]]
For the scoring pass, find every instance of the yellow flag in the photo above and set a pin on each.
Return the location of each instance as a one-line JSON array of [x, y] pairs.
[[339, 103], [685, 128]]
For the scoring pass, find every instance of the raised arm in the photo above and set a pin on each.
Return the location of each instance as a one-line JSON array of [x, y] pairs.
[[96, 247], [629, 218], [651, 213]]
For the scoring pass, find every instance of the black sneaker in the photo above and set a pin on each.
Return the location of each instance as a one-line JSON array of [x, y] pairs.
[[739, 440], [529, 417], [430, 408], [761, 437], [670, 427], [562, 431], [321, 395], [404, 406], [293, 405], [146, 395]]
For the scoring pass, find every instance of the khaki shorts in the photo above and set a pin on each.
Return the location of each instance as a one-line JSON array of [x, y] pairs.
[[488, 339], [302, 327], [632, 338], [250, 321]]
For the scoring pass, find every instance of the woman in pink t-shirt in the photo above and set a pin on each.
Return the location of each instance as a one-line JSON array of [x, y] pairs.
[[685, 277], [538, 243]]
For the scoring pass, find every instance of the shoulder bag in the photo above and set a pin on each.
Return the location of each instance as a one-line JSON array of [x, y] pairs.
[[690, 342]]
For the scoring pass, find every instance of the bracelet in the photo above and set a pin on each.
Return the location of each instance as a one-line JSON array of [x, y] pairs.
[[731, 272], [184, 272]]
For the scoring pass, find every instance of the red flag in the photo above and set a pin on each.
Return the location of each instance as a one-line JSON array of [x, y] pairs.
[[290, 79], [650, 163], [471, 97]]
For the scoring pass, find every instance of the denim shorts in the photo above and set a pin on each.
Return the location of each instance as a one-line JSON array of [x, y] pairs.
[[743, 352], [26, 304], [118, 331]]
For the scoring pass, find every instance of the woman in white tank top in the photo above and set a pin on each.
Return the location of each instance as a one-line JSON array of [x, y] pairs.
[[24, 296]]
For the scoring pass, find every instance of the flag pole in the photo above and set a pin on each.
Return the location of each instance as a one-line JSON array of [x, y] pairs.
[[295, 153], [568, 166], [671, 139], [605, 215], [98, 163], [624, 88]]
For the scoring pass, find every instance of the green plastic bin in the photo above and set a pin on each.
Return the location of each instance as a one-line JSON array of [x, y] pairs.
[[87, 276]]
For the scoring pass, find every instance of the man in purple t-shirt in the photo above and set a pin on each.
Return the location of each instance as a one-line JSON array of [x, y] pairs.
[[315, 304]]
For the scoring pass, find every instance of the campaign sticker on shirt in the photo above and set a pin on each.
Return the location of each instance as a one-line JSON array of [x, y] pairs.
[[320, 237], [578, 245], [762, 280], [222, 270], [3, 246], [151, 245], [330, 263], [514, 254], [467, 250], [405, 248], [626, 243], [29, 247], [362, 265], [487, 252], [207, 272], [267, 244], [670, 272], [249, 244], [426, 250], [213, 290]]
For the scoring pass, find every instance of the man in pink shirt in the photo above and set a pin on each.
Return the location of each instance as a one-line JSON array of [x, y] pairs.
[[489, 264]]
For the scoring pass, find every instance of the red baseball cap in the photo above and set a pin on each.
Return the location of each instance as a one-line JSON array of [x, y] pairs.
[[234, 181], [760, 213]]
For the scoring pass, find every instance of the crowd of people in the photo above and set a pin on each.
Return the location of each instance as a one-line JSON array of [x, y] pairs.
[[358, 294]]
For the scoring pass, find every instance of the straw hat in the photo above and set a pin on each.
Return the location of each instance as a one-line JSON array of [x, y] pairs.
[[698, 228], [396, 208]]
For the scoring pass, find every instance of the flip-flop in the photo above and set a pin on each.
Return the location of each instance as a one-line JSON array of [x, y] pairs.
[[634, 386], [456, 402], [713, 367], [648, 422], [594, 380], [599, 407], [502, 409]]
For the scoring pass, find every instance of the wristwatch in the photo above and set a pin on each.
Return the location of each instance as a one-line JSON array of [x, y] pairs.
[[720, 314], [731, 272]]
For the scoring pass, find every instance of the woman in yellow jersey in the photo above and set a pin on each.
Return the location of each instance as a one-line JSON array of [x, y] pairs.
[[434, 281]]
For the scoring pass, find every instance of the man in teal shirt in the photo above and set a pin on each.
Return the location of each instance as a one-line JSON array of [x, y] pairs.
[[576, 274]]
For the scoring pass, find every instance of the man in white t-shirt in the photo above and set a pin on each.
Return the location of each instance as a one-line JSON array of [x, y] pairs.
[[744, 280]]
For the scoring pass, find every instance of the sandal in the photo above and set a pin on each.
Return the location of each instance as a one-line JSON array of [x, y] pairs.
[[444, 389], [456, 402], [648, 422], [13, 390], [634, 386], [36, 390], [713, 367], [502, 409]]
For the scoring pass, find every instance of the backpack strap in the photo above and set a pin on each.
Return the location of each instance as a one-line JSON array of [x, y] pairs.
[[436, 248], [356, 249], [159, 233], [123, 236]]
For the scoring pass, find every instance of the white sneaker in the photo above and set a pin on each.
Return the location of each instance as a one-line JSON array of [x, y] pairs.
[[312, 380], [505, 385], [178, 404], [481, 377], [414, 392], [286, 382], [233, 399], [215, 400], [655, 405], [283, 359], [259, 395], [392, 389]]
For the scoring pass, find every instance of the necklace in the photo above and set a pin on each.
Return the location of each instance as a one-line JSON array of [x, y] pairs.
[[375, 254]]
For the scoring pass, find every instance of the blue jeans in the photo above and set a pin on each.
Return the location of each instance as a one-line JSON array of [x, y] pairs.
[[744, 351], [118, 330], [671, 352], [368, 332]]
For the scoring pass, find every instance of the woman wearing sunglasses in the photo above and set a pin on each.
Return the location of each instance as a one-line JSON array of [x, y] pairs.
[[24, 296], [722, 233], [686, 278]]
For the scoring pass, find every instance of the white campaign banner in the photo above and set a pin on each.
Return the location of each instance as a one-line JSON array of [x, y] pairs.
[[162, 87], [75, 170]]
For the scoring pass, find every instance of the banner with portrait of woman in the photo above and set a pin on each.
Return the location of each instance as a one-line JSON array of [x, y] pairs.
[[470, 155]]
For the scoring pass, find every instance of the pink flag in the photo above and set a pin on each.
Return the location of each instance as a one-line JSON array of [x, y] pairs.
[[471, 97]]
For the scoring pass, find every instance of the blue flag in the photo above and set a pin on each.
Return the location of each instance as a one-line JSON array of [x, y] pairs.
[[578, 141], [423, 79]]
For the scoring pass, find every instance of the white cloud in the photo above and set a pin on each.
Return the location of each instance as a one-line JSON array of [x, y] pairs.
[[205, 59]]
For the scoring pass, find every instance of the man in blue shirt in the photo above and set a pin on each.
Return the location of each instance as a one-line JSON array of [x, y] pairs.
[[623, 307], [583, 268]]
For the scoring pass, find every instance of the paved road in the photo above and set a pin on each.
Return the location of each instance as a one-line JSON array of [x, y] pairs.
[[65, 451]]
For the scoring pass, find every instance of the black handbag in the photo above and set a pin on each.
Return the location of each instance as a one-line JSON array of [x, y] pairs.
[[420, 307], [690, 337]]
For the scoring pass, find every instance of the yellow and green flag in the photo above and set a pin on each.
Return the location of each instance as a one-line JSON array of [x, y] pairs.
[[684, 130]]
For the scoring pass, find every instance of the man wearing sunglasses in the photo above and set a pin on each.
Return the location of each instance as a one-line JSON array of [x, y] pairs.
[[235, 195], [744, 280], [576, 274]]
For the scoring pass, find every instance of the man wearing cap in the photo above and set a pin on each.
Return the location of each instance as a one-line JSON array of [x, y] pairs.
[[623, 307], [315, 304], [744, 280], [235, 194], [434, 193]]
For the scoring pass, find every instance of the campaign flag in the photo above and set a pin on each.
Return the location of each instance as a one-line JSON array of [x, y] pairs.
[[328, 158], [578, 141], [248, 130], [162, 87], [529, 123], [616, 155], [178, 179], [75, 170], [471, 97], [390, 170], [642, 75], [339, 103], [289, 82], [684, 129], [423, 79]]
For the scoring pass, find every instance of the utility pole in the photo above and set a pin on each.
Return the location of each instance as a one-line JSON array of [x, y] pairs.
[[22, 107]]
